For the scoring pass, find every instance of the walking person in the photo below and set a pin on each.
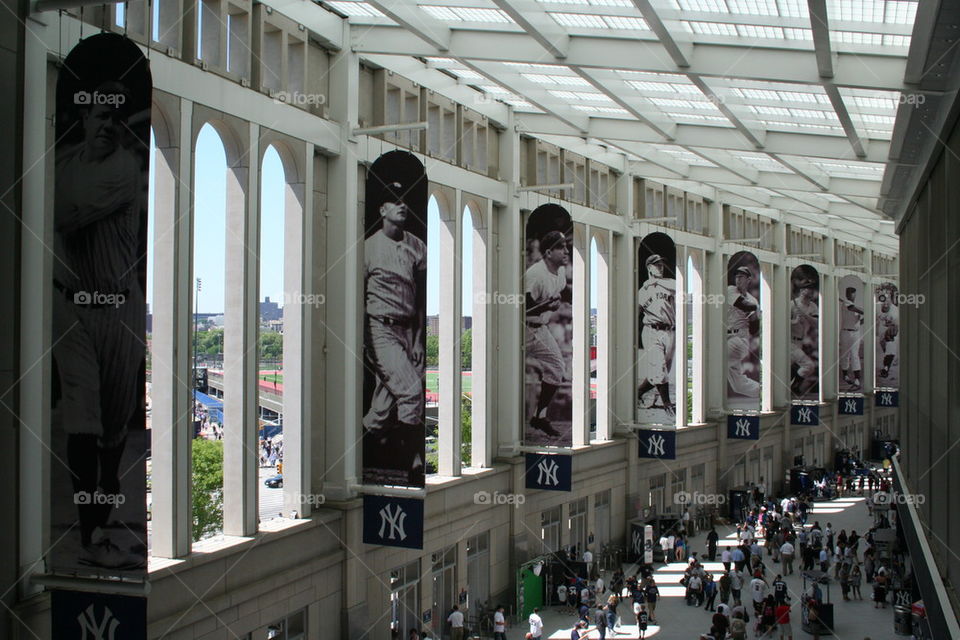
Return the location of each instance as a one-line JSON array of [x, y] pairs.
[[712, 538], [536, 625], [643, 618], [600, 620], [456, 623], [856, 577], [500, 624], [710, 592], [786, 556], [783, 622], [652, 593]]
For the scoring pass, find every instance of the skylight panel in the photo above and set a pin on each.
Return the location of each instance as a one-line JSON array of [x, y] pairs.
[[669, 103], [887, 100], [545, 68], [754, 7], [874, 119], [494, 89], [710, 28], [813, 114], [466, 74], [856, 170], [714, 6], [521, 105], [700, 117], [626, 22], [794, 8], [590, 108], [896, 41], [466, 14], [770, 111], [580, 95], [579, 20], [351, 8], [442, 62], [759, 31], [900, 12], [791, 33], [685, 156], [856, 10], [441, 13], [856, 37]]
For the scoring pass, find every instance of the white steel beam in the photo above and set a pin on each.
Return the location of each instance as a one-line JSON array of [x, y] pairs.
[[844, 117], [538, 24], [658, 124], [668, 32], [417, 21], [821, 36]]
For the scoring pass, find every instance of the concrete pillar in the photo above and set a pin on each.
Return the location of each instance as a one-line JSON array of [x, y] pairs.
[[342, 337], [715, 343], [450, 332], [699, 336], [605, 359], [780, 319], [680, 344], [623, 311], [508, 240], [580, 391], [297, 343], [767, 314], [482, 434], [241, 320], [172, 431]]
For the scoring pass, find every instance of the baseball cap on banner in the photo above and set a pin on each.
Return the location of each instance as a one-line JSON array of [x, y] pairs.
[[391, 192], [655, 258], [743, 271], [552, 240]]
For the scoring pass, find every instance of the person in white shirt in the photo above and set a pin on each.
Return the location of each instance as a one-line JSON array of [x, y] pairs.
[[499, 624], [725, 558], [786, 557], [536, 624], [758, 590], [599, 587], [456, 623], [588, 558], [562, 595]]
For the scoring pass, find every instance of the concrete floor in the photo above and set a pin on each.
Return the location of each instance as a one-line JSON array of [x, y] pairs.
[[855, 620]]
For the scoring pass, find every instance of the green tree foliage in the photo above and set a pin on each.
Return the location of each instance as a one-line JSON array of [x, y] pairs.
[[207, 487], [466, 428], [271, 346], [433, 352], [210, 342], [466, 350]]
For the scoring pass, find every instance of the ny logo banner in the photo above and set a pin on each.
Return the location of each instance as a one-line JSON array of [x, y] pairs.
[[805, 415], [743, 427], [657, 444], [95, 616], [549, 472], [393, 522], [850, 406], [887, 399]]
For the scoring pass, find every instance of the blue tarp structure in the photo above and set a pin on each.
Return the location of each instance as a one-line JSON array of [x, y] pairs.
[[213, 405]]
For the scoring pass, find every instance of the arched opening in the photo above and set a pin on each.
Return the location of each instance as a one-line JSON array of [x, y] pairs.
[[433, 334], [594, 337], [207, 339], [274, 298]]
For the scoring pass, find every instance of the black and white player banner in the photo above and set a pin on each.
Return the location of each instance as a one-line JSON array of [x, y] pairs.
[[99, 436], [887, 399], [888, 337], [657, 326], [550, 472], [548, 328], [653, 443], [851, 308], [393, 522], [805, 333], [805, 414], [80, 615], [743, 332], [743, 427], [850, 405], [395, 321]]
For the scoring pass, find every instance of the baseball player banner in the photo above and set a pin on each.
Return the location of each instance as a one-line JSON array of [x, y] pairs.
[[394, 322], [99, 439], [850, 405], [550, 472], [743, 427], [657, 323], [852, 314], [743, 332], [888, 337], [654, 443], [548, 328], [81, 615], [805, 333], [393, 522], [805, 415]]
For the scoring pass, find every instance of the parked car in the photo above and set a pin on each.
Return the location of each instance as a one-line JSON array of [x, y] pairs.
[[274, 482]]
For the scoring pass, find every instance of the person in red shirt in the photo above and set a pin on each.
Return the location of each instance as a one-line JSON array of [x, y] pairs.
[[783, 621]]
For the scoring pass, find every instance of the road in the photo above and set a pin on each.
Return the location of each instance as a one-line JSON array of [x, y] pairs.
[[270, 500]]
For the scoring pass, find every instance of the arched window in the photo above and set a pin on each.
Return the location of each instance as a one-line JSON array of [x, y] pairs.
[[467, 297]]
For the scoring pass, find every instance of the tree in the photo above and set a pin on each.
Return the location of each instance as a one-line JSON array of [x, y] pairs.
[[466, 428], [210, 342], [207, 487], [433, 351], [466, 350], [271, 346]]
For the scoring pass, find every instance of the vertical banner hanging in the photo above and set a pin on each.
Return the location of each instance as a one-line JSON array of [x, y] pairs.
[[888, 337], [851, 308], [394, 322], [98, 422], [743, 332], [657, 323], [548, 328], [805, 334]]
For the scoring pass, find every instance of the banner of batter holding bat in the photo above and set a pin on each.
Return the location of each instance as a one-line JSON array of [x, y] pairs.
[[548, 328], [805, 333], [743, 332], [657, 325]]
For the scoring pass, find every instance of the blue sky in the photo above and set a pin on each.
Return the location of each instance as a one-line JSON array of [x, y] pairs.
[[210, 233]]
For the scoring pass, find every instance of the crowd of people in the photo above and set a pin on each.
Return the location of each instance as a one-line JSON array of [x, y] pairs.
[[271, 453]]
